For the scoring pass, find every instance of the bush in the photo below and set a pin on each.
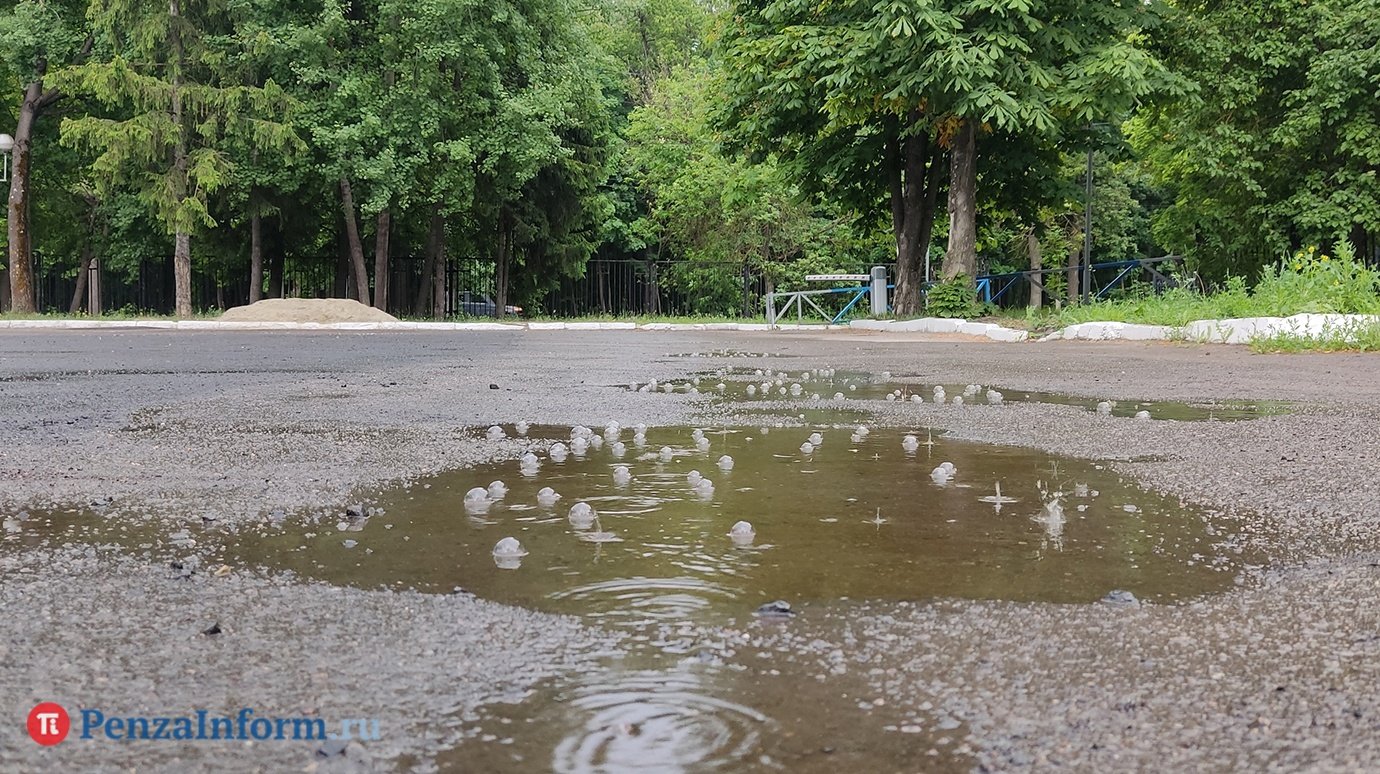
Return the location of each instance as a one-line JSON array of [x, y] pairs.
[[953, 298]]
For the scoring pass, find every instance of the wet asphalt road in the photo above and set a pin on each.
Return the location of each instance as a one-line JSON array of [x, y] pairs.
[[174, 431]]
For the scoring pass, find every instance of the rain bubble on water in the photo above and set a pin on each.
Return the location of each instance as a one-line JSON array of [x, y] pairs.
[[1104, 407], [521, 428], [581, 516], [477, 500], [666, 454], [726, 462], [807, 448], [547, 496], [495, 433], [742, 533], [497, 490], [509, 547]]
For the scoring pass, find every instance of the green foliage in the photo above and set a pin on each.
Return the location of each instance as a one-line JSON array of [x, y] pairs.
[[166, 111], [36, 35], [953, 298], [1309, 281], [762, 138], [826, 85], [1278, 142], [722, 213]]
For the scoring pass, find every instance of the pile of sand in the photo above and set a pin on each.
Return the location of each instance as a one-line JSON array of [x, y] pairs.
[[317, 310]]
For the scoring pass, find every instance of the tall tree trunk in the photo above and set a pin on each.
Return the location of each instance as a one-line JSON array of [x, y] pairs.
[[21, 246], [256, 256], [83, 272], [276, 259], [1071, 273], [182, 274], [381, 247], [357, 268], [961, 258], [914, 183], [1037, 281], [435, 245], [182, 238]]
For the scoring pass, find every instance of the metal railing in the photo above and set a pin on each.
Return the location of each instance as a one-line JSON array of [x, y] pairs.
[[615, 287]]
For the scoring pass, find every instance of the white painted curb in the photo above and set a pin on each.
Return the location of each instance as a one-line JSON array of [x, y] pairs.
[[1238, 330], [943, 325]]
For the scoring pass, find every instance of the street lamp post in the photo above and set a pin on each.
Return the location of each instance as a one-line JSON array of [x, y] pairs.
[[1087, 229], [6, 147]]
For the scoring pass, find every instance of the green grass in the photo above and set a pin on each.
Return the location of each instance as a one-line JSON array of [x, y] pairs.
[[1308, 282], [1358, 336]]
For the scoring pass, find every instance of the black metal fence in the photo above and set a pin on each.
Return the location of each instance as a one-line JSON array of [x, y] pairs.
[[608, 287], [613, 287]]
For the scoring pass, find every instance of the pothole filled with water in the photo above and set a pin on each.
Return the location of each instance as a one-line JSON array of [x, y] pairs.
[[832, 387], [689, 523]]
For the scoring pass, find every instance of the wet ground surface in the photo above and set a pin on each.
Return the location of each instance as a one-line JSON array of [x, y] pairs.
[[252, 430]]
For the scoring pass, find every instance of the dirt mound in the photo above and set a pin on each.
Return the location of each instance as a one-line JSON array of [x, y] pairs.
[[317, 310]]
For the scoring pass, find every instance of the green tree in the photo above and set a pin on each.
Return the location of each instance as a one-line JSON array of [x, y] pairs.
[[895, 86], [156, 72], [1278, 141], [714, 209], [35, 37]]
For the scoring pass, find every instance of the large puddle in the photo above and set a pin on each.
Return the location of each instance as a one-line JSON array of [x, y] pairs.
[[837, 387], [832, 514], [856, 516]]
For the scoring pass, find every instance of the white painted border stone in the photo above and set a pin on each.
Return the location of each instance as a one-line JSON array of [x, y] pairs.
[[943, 325]]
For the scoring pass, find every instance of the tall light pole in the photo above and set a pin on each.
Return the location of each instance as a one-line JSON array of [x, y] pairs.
[[1087, 227], [6, 147]]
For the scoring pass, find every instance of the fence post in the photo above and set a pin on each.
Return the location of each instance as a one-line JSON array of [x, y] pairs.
[[878, 291], [93, 288]]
